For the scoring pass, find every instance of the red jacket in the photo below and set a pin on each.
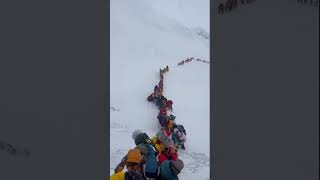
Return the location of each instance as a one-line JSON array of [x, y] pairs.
[[162, 157], [169, 103], [163, 111]]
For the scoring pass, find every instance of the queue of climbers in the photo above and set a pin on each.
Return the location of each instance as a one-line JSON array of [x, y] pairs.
[[204, 61], [185, 61], [168, 127], [155, 158], [230, 5], [191, 59]]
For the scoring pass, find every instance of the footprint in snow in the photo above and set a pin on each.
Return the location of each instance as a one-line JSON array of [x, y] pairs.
[[194, 161], [118, 127]]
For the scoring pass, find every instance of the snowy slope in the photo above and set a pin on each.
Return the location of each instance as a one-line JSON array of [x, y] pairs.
[[148, 35]]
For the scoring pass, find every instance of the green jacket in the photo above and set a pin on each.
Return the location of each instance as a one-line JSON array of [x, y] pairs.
[[166, 172]]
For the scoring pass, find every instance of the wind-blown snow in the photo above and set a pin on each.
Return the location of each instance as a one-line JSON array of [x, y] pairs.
[[145, 36]]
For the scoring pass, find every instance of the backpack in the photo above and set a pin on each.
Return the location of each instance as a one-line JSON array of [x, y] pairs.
[[151, 167], [181, 129]]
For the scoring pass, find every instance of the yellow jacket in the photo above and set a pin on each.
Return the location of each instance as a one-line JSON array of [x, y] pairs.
[[118, 176], [159, 147]]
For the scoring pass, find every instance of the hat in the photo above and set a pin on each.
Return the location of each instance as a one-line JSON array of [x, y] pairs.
[[134, 156], [177, 166], [136, 133]]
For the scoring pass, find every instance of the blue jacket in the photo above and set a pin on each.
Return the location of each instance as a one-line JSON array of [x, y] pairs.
[[165, 171]]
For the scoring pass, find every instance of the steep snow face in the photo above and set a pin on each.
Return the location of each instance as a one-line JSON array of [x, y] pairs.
[[145, 36]]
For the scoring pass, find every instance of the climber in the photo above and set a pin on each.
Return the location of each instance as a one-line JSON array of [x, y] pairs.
[[157, 144], [161, 141], [140, 139], [148, 160], [170, 123], [166, 69], [151, 97], [179, 136], [162, 119], [168, 105], [170, 169], [164, 136], [175, 136], [134, 167], [156, 89], [160, 101], [168, 153], [161, 85], [163, 111], [181, 128]]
